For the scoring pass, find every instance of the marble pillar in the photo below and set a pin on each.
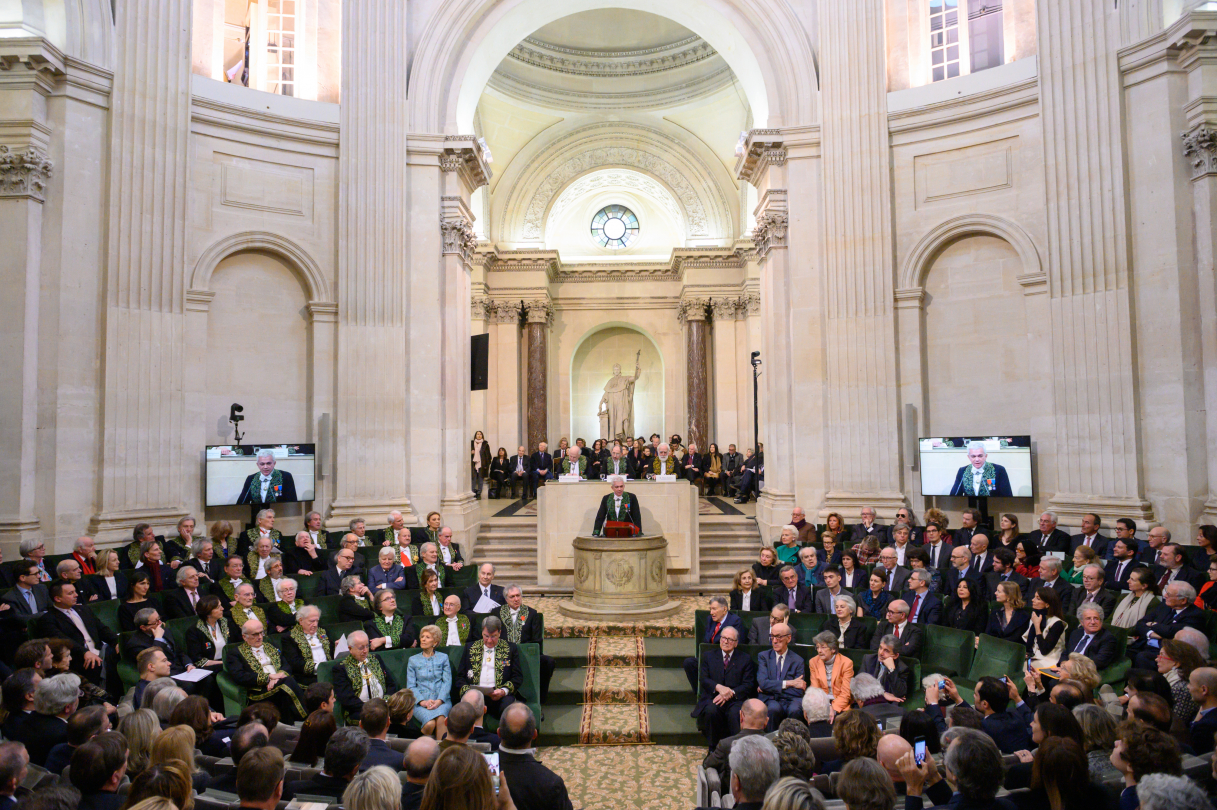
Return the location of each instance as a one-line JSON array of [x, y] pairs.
[[1201, 149], [371, 450], [539, 314], [1094, 365], [504, 401], [143, 407], [479, 322], [728, 418], [863, 440], [23, 177], [693, 313]]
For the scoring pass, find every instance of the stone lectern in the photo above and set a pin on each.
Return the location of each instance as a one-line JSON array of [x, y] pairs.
[[620, 578]]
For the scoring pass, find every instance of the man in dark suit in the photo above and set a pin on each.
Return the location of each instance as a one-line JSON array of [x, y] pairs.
[[728, 678], [960, 568], [209, 565], [792, 593], [344, 754], [753, 720], [420, 759], [938, 548], [692, 467], [1003, 571], [1173, 567], [1156, 538], [520, 476], [1050, 576], [361, 676], [101, 766], [897, 575], [341, 564], [150, 631], [1093, 592], [374, 719], [733, 463], [981, 478], [618, 505], [720, 617], [1049, 537], [868, 527], [260, 668], [533, 786], [502, 686], [1202, 686], [897, 624], [982, 557], [1092, 639], [1163, 621], [542, 463], [180, 602], [924, 606], [247, 738], [1008, 726], [260, 779], [885, 666], [268, 485], [57, 698], [77, 624], [781, 677], [29, 597], [1120, 566], [758, 633], [483, 593], [969, 526], [1090, 536]]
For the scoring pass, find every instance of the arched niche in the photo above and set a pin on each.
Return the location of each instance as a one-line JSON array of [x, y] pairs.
[[591, 366], [763, 41]]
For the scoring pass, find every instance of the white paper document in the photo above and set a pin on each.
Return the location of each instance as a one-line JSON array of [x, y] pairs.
[[193, 676], [341, 646]]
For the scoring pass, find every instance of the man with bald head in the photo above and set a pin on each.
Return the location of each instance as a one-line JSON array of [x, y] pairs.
[[260, 668], [727, 679], [891, 748], [781, 677], [420, 759], [753, 720], [361, 676], [909, 635], [575, 463], [1202, 686], [533, 786]]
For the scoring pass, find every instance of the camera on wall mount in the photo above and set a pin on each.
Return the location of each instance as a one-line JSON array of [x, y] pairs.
[[235, 416], [756, 362]]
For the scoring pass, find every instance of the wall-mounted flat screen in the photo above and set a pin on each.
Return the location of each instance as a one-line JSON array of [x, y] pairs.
[[976, 466], [260, 474]]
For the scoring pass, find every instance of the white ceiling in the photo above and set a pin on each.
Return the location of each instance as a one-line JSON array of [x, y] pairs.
[[612, 29]]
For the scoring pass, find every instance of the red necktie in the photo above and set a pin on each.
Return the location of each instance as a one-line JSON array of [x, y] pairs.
[[714, 635], [896, 632], [916, 602], [1165, 579]]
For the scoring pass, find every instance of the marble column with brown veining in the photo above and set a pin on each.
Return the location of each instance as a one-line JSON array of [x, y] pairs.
[[693, 314], [536, 336]]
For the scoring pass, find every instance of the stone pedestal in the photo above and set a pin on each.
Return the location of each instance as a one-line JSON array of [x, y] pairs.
[[620, 578]]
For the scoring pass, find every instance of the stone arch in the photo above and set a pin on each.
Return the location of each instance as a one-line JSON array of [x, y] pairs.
[[656, 398], [913, 271], [533, 188], [315, 284], [763, 41]]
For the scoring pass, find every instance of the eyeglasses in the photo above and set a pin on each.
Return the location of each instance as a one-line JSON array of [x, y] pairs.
[[258, 634]]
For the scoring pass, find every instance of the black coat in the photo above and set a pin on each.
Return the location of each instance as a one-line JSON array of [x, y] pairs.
[[1163, 620], [1099, 544], [513, 676], [804, 601], [319, 785], [740, 676], [762, 599], [606, 503], [350, 610], [176, 603], [898, 681], [140, 641], [1104, 598], [331, 581], [1057, 541], [54, 624], [200, 647], [533, 786], [542, 464], [975, 618], [379, 753], [1120, 583], [1102, 649], [97, 584], [213, 568], [911, 638], [473, 593], [20, 607], [408, 637], [41, 733], [348, 694], [1063, 589], [296, 559], [1014, 630], [300, 658]]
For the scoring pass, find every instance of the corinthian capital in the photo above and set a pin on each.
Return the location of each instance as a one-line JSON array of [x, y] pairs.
[[1200, 148], [24, 174], [539, 311], [770, 231]]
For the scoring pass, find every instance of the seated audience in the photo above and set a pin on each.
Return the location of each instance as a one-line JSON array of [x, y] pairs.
[[972, 763], [1141, 750], [868, 696], [479, 734], [753, 720], [14, 767], [260, 776], [795, 757], [356, 602], [176, 744], [344, 753], [97, 769], [754, 768], [1160, 791], [195, 712], [534, 786], [830, 672], [374, 720], [1098, 738], [168, 780], [246, 738], [780, 677], [307, 645], [1202, 687], [55, 699], [139, 729], [83, 726], [491, 663], [917, 724], [747, 595], [1091, 638], [315, 732], [968, 610], [727, 679], [866, 785], [856, 735], [991, 697], [207, 638], [1045, 636], [429, 678], [361, 676], [1010, 620], [420, 759], [817, 713], [897, 624], [259, 667], [720, 617], [885, 666]]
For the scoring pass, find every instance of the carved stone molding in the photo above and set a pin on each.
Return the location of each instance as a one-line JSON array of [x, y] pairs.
[[464, 154], [506, 311], [762, 148], [726, 309], [479, 308], [751, 303], [24, 174], [605, 64], [539, 312], [770, 232], [459, 238], [1200, 148], [693, 309]]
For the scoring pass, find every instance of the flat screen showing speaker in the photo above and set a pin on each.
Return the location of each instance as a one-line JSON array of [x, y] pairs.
[[976, 466], [260, 474], [479, 362]]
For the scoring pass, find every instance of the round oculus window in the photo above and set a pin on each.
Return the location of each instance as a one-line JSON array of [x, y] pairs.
[[614, 227]]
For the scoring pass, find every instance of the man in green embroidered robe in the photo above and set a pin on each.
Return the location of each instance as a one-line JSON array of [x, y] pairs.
[[492, 666], [268, 485], [574, 462], [664, 463], [260, 668], [361, 676], [980, 478], [618, 505]]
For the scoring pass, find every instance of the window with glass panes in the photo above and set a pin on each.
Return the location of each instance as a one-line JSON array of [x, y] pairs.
[[281, 47], [985, 43], [944, 39]]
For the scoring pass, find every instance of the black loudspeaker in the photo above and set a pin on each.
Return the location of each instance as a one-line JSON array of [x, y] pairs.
[[479, 360]]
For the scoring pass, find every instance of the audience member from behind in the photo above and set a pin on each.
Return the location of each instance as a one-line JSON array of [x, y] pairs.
[[1060, 778], [246, 738], [479, 734], [795, 757], [973, 764], [755, 766], [376, 725], [536, 786], [260, 778], [315, 732], [83, 726], [1160, 791], [195, 712], [1099, 738], [791, 793], [55, 699], [98, 768], [865, 785], [460, 780], [1139, 751], [177, 743], [817, 706], [57, 797], [460, 724], [420, 759], [14, 766], [377, 788], [754, 719], [169, 780], [344, 753], [856, 735]]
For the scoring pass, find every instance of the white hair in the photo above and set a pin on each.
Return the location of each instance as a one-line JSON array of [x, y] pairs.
[[1184, 590], [1092, 607], [396, 513], [865, 687], [978, 445], [265, 451], [306, 611], [816, 705], [1160, 791], [263, 513], [790, 528], [847, 599], [386, 551], [289, 581], [1197, 638]]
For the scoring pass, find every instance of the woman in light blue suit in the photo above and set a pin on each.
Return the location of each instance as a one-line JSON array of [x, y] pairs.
[[429, 677]]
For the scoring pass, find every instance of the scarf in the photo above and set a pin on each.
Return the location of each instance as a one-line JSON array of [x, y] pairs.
[[298, 636]]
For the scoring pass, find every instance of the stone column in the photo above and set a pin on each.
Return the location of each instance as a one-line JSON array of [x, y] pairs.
[[24, 173], [539, 314], [857, 257], [693, 313], [143, 462], [1094, 366], [371, 448], [1200, 147], [505, 348], [728, 419], [479, 410]]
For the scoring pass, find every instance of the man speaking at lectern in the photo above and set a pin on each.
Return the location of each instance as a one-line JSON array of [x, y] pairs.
[[617, 506]]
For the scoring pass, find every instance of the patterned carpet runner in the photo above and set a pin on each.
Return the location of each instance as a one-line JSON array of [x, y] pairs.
[[615, 692]]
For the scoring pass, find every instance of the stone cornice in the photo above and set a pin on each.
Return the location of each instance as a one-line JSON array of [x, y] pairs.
[[23, 174], [605, 64], [275, 128], [549, 95], [464, 154], [549, 262]]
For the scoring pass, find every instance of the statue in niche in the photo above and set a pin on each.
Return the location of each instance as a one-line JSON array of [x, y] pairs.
[[616, 408]]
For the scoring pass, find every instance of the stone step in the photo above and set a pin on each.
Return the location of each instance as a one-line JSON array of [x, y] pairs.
[[665, 686], [670, 725]]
